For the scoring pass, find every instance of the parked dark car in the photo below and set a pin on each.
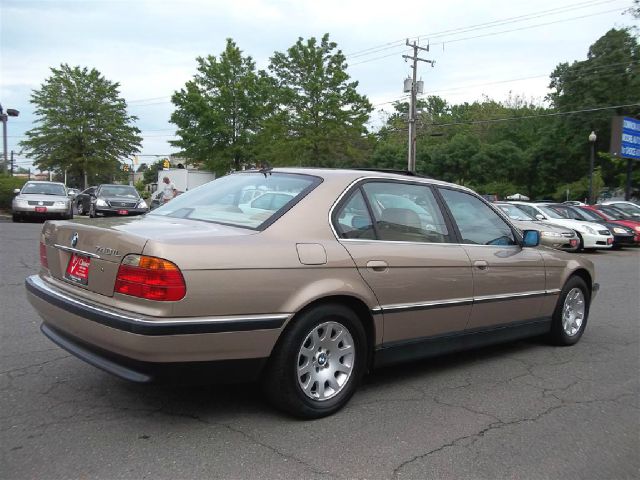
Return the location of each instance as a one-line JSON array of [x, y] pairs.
[[622, 236], [110, 200]]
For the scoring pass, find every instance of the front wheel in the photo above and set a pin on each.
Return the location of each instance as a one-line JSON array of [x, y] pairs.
[[318, 362], [80, 208], [571, 313]]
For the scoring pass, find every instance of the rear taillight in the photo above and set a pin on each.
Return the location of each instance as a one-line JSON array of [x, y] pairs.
[[43, 255], [151, 278]]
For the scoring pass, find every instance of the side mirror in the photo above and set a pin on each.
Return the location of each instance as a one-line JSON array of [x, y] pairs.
[[16, 191], [531, 238], [539, 216]]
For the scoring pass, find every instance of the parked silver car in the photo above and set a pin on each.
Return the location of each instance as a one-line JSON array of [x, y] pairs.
[[41, 200], [552, 236]]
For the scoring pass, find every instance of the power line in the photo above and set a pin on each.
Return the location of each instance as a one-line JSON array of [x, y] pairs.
[[526, 27], [481, 26], [524, 117]]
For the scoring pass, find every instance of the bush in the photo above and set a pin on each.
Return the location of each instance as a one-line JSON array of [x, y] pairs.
[[7, 185]]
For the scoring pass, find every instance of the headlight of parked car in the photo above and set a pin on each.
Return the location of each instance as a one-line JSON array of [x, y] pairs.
[[21, 202], [101, 203], [586, 229], [620, 230], [142, 204], [550, 234], [60, 203], [637, 228]]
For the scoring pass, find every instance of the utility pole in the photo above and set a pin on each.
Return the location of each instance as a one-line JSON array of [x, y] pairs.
[[411, 161], [12, 163]]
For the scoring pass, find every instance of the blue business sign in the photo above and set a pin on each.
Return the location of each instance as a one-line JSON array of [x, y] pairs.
[[625, 137]]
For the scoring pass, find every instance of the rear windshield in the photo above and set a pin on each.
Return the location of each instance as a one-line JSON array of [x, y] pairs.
[[249, 200], [117, 191], [43, 189]]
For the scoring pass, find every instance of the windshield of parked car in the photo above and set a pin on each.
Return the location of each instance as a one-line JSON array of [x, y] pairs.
[[615, 213], [225, 200], [589, 215], [627, 207], [549, 212], [514, 212], [123, 191], [43, 189]]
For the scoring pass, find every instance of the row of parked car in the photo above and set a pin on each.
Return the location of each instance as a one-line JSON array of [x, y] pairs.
[[575, 226], [52, 200]]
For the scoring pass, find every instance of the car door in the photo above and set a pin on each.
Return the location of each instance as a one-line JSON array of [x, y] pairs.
[[508, 280], [408, 257]]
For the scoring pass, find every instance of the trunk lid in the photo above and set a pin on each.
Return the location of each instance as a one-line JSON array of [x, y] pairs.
[[103, 243]]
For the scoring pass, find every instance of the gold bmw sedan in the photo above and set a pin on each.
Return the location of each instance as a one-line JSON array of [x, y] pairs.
[[308, 282]]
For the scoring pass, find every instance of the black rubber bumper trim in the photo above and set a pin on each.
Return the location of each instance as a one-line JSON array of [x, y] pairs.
[[147, 327], [175, 373]]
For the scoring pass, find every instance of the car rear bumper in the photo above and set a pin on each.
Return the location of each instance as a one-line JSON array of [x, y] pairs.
[[108, 338], [240, 370]]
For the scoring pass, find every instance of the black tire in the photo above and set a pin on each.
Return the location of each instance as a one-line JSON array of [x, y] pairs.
[[15, 217], [280, 379], [80, 208], [580, 243], [558, 335], [92, 212]]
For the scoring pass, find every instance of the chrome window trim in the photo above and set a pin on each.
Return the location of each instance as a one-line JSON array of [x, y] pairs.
[[76, 250]]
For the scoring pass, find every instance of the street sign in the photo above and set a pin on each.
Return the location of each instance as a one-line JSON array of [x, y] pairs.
[[625, 137]]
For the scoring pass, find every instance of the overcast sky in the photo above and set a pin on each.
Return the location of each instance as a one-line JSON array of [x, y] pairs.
[[150, 46]]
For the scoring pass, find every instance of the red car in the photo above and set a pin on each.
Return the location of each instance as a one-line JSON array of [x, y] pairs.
[[614, 215]]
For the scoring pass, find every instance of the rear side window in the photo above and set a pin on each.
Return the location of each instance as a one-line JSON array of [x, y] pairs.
[[392, 211], [353, 219], [477, 222]]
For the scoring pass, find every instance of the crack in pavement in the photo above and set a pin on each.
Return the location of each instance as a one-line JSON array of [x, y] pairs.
[[26, 367], [497, 426]]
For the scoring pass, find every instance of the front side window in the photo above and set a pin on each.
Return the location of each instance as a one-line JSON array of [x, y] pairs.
[[225, 201], [477, 222]]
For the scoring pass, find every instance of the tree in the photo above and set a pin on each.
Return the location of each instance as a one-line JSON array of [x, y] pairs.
[[219, 112], [82, 124], [610, 76], [320, 119]]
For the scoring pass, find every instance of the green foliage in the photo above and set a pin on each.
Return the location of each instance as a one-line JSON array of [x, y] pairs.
[[82, 124], [320, 117], [579, 190], [151, 172], [141, 188], [7, 185], [219, 112], [521, 146]]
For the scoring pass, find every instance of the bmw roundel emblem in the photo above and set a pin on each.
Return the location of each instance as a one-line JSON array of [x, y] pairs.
[[74, 239]]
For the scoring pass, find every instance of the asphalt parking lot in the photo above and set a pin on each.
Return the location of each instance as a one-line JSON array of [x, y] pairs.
[[522, 410]]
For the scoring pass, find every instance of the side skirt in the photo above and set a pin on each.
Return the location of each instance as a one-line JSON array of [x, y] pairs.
[[403, 351]]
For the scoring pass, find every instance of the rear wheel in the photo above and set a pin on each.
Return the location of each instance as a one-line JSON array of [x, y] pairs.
[[80, 208], [318, 362], [571, 313]]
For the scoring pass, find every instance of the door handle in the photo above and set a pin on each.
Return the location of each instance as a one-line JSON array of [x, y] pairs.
[[377, 265], [481, 264]]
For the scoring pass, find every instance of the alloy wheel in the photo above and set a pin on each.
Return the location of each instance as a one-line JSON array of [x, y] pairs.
[[325, 361], [573, 312]]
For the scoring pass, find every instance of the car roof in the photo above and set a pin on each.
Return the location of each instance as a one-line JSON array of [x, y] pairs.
[[351, 175]]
